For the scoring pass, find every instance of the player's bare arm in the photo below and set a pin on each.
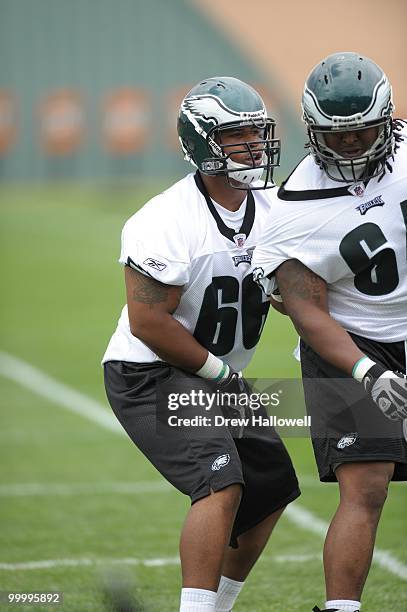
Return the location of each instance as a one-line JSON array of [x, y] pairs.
[[279, 306], [305, 300], [150, 306], [147, 291]]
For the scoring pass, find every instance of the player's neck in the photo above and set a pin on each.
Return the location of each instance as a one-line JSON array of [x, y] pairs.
[[219, 190]]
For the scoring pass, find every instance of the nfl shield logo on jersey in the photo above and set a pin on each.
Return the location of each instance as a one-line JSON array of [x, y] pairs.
[[358, 189], [239, 239]]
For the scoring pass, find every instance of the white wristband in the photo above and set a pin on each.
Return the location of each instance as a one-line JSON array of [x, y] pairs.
[[361, 368], [213, 368]]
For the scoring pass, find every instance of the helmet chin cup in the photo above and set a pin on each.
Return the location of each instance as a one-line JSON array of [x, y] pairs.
[[344, 173], [243, 174]]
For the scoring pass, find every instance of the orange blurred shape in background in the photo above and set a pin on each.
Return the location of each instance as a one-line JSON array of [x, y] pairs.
[[126, 121], [62, 122], [8, 121]]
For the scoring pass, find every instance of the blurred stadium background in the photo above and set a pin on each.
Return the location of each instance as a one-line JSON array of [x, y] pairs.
[[89, 91]]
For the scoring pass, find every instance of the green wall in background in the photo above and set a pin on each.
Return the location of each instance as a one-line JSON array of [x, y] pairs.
[[97, 45]]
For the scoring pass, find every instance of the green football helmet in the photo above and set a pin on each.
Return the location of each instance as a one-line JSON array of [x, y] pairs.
[[344, 93], [224, 103]]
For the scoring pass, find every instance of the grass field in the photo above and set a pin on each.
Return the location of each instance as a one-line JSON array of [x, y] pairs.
[[78, 501]]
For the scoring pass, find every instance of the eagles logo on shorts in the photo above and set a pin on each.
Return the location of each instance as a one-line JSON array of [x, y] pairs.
[[220, 462], [347, 440]]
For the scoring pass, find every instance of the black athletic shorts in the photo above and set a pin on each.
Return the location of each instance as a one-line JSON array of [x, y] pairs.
[[336, 437], [197, 464]]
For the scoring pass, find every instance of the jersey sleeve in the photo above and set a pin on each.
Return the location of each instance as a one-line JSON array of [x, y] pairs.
[[298, 235], [266, 258], [155, 244]]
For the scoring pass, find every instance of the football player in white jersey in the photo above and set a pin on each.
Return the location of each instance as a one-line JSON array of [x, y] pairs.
[[334, 250], [193, 307]]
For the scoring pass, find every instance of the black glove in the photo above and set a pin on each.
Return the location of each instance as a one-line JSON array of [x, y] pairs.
[[388, 390], [235, 406], [233, 383]]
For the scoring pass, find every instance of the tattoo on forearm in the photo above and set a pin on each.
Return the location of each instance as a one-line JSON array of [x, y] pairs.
[[148, 291], [297, 280]]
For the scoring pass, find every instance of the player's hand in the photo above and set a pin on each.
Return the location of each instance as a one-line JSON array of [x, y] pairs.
[[233, 383], [388, 390]]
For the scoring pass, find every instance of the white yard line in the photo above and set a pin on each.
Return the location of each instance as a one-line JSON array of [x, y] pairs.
[[38, 489], [48, 563], [385, 559], [160, 562], [35, 489], [310, 522], [36, 381], [63, 489], [43, 385]]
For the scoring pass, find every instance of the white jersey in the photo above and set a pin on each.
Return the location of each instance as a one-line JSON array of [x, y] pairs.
[[354, 237], [181, 237]]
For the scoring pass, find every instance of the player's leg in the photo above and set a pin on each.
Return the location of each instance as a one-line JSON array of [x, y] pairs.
[[356, 446], [351, 536], [205, 537], [205, 467], [239, 561], [270, 484]]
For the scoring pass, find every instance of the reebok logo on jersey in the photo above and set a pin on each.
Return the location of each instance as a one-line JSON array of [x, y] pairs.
[[363, 208], [220, 462], [347, 440], [154, 263]]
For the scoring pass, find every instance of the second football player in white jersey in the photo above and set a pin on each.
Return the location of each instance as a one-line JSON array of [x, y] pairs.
[[335, 250]]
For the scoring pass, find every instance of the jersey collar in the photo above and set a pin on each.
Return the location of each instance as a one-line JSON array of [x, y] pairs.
[[312, 194], [226, 231]]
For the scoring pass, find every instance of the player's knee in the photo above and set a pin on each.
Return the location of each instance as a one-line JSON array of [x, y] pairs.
[[369, 490], [373, 495], [229, 497]]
